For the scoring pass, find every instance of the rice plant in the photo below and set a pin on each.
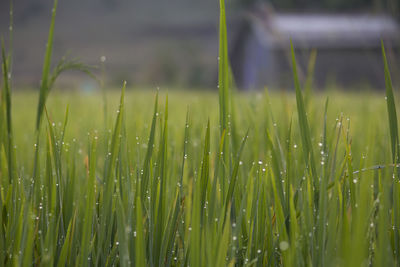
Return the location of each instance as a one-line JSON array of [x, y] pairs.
[[263, 179]]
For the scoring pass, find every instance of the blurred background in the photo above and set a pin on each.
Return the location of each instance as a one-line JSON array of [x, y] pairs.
[[174, 43]]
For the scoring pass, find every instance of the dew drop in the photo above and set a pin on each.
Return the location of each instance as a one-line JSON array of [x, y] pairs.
[[283, 245]]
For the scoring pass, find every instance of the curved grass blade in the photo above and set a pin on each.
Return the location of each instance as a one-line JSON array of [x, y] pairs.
[[140, 246], [63, 258], [391, 108], [303, 121], [48, 76], [213, 195], [89, 207], [394, 137], [234, 176], [44, 89], [149, 153], [310, 76], [7, 101], [107, 205], [223, 69], [205, 169]]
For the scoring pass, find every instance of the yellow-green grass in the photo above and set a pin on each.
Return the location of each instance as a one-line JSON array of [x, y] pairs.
[[365, 111], [368, 134]]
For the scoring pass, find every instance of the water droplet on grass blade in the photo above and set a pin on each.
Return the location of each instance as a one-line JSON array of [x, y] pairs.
[[283, 245]]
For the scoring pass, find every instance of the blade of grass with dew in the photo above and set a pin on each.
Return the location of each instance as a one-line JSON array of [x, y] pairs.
[[181, 229], [7, 101], [276, 168], [65, 65], [106, 213], [224, 91], [11, 37], [49, 210], [351, 179], [252, 241], [11, 223], [391, 108], [394, 137], [221, 252], [205, 170], [280, 221], [184, 156], [289, 152], [56, 147], [214, 205], [293, 230], [140, 245], [310, 76], [279, 150], [64, 253], [195, 229], [322, 198], [44, 89], [383, 248], [49, 77], [29, 237], [121, 235], [303, 121], [170, 233], [3, 141], [87, 226], [48, 80], [160, 184], [360, 223], [223, 69], [234, 175], [150, 146], [17, 236]]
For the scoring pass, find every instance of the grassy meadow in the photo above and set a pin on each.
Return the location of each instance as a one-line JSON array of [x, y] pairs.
[[154, 178]]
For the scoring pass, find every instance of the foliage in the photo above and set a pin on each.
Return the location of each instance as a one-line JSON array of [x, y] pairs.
[[240, 180]]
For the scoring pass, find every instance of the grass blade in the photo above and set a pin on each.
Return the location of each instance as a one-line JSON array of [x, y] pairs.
[[7, 102], [44, 86], [391, 108], [303, 121]]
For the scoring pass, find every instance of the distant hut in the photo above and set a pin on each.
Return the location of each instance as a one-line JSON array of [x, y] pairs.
[[348, 48]]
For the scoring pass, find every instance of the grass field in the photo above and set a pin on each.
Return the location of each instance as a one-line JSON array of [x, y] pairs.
[[363, 125], [147, 178], [365, 114]]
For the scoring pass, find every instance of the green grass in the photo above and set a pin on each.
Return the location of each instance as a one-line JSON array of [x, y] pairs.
[[196, 178]]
